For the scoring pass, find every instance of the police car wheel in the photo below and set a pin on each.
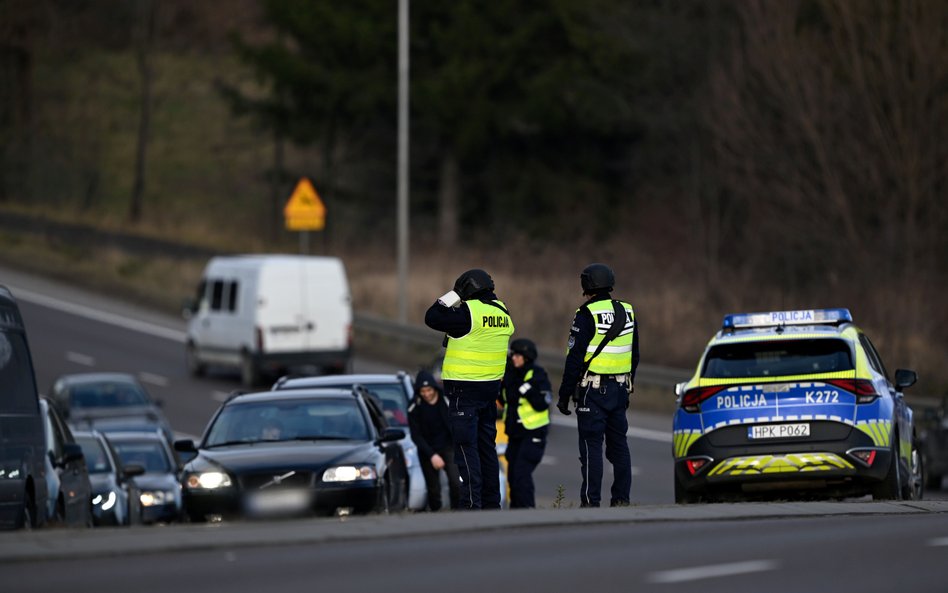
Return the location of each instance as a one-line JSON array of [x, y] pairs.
[[890, 488], [682, 496], [913, 487]]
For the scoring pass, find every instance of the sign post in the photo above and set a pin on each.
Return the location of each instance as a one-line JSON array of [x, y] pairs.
[[304, 212]]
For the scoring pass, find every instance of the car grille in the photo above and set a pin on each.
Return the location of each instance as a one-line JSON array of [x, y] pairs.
[[277, 479]]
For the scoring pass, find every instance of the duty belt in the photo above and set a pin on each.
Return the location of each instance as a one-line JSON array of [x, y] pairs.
[[594, 379]]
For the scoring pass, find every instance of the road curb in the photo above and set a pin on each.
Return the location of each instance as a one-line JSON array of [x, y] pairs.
[[115, 542]]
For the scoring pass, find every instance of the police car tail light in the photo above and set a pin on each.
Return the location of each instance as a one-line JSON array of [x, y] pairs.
[[866, 456], [695, 465], [863, 389], [693, 397]]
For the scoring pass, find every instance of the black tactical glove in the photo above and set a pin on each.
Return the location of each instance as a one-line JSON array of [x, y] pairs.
[[563, 406]]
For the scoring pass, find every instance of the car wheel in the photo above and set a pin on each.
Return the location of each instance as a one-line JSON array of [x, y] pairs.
[[891, 486], [249, 373], [196, 368], [27, 518], [682, 496], [384, 505], [913, 487]]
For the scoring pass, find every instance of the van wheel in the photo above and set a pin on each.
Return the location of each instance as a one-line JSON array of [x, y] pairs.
[[196, 368], [249, 373]]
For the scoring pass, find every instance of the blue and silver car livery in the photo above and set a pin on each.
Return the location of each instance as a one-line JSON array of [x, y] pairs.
[[790, 402]]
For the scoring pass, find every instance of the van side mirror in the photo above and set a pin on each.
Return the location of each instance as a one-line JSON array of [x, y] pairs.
[[905, 378]]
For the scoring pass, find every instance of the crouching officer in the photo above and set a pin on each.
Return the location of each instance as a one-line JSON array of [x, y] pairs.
[[602, 355], [526, 395], [478, 328]]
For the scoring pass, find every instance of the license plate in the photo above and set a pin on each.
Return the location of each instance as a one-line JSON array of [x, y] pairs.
[[277, 501], [778, 431]]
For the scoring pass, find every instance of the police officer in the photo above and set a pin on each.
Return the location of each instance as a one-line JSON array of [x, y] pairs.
[[526, 395], [600, 371], [478, 328]]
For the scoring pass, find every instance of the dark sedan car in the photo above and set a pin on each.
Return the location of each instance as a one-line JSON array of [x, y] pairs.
[[108, 402], [113, 488], [159, 490], [308, 451]]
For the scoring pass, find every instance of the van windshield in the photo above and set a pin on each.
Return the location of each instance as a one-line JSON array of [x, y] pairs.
[[778, 358]]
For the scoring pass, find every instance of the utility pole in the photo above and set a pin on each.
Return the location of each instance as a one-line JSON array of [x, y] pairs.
[[402, 240]]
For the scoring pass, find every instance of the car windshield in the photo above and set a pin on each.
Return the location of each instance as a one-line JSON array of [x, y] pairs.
[[287, 421], [96, 459], [149, 454], [778, 358], [107, 395]]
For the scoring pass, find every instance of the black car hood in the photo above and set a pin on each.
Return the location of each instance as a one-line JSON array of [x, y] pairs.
[[300, 455]]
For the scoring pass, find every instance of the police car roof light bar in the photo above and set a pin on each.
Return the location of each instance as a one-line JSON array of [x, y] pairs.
[[781, 318]]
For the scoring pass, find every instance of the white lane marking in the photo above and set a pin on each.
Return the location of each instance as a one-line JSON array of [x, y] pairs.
[[219, 396], [938, 541], [634, 432], [83, 359], [153, 379], [682, 575], [90, 313]]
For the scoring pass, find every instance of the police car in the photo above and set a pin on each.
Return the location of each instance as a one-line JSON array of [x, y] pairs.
[[791, 402]]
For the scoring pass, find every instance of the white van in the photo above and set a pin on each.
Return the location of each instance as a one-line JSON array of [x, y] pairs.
[[265, 314]]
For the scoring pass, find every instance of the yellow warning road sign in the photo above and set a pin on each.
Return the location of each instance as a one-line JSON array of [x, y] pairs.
[[304, 211]]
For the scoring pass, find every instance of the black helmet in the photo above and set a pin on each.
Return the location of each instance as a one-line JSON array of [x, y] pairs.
[[597, 277], [473, 282], [525, 347]]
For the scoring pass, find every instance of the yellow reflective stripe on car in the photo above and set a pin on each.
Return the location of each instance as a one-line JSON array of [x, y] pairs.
[[878, 431], [774, 464], [682, 441]]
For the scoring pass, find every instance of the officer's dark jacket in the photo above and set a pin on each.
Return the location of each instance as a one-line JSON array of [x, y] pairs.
[[425, 433], [456, 322], [580, 334], [538, 395]]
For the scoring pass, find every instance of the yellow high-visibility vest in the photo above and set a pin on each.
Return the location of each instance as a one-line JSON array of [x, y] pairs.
[[480, 355], [616, 356]]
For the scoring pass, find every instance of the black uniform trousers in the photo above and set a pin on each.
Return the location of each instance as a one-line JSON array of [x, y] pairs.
[[600, 413], [524, 453], [473, 425]]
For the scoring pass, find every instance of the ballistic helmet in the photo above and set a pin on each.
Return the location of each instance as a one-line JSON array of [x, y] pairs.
[[524, 347], [472, 283], [597, 277]]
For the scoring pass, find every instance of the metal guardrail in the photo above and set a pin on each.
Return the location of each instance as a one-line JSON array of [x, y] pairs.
[[421, 336]]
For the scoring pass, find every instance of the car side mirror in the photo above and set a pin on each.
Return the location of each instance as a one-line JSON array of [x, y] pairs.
[[392, 435], [185, 446], [71, 452], [133, 469], [905, 378]]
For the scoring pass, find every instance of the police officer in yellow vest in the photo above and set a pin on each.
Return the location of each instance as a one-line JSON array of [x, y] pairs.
[[526, 395], [599, 374], [478, 328]]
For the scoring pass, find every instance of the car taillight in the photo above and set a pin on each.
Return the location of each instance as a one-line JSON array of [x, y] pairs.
[[693, 397], [866, 456], [863, 389], [695, 465]]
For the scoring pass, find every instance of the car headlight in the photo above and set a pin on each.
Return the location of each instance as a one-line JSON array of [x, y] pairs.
[[152, 498], [208, 481], [349, 473], [105, 502]]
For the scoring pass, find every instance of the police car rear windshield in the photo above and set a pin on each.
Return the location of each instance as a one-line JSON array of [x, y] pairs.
[[779, 358]]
